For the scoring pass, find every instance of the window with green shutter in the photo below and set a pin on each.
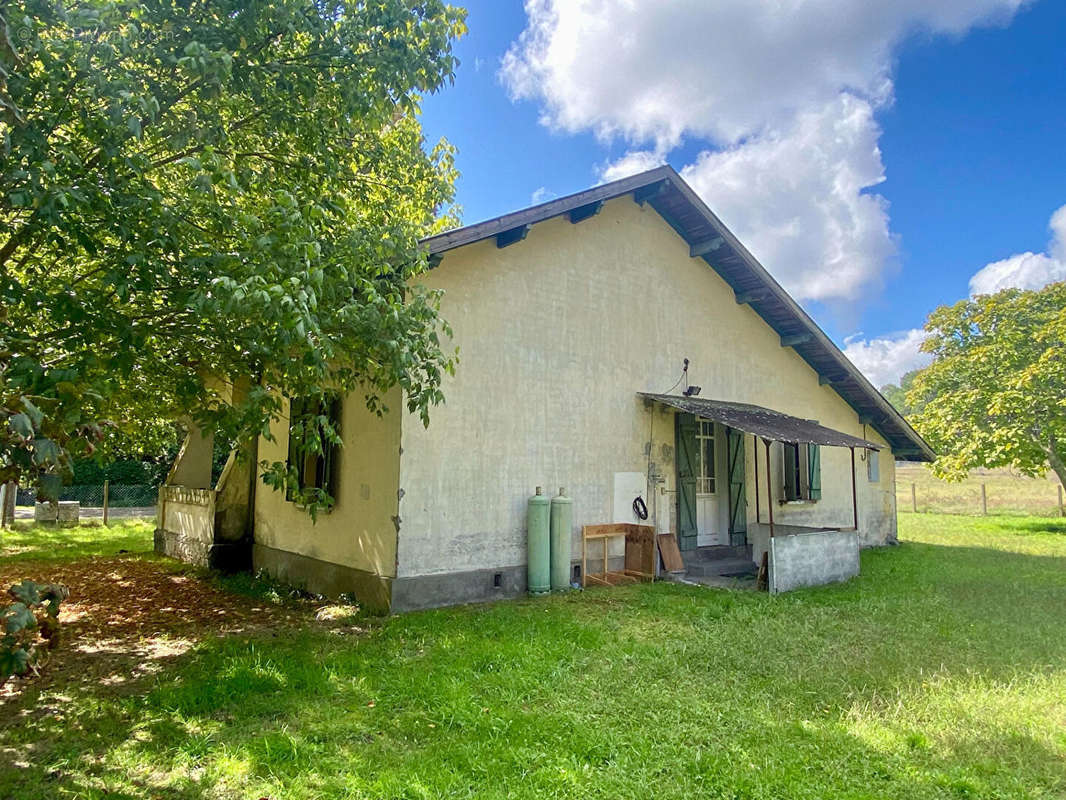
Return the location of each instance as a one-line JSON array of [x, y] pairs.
[[801, 472], [791, 464], [314, 429]]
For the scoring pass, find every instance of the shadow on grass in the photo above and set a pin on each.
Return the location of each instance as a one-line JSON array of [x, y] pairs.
[[858, 689], [1049, 525]]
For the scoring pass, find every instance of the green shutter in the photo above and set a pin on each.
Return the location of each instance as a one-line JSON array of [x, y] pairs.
[[814, 471], [738, 507], [687, 466]]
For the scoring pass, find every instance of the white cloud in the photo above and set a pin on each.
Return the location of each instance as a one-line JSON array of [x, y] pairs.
[[885, 358], [657, 71], [797, 199], [631, 163], [783, 94], [1027, 270], [540, 195]]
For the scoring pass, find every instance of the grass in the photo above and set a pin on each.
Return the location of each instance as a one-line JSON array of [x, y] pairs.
[[1007, 492], [939, 673], [29, 542]]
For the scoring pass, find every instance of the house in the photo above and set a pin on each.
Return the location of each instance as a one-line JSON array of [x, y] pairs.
[[585, 325]]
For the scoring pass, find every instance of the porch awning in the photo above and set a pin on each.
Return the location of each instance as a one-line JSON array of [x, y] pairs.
[[762, 422]]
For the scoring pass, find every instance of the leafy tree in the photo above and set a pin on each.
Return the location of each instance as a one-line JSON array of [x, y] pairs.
[[897, 395], [193, 193], [995, 394]]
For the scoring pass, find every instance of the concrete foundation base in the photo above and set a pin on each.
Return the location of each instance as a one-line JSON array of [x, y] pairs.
[[321, 577], [454, 588], [223, 556]]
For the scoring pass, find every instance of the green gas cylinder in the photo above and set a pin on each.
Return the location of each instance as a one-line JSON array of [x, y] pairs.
[[562, 524], [538, 577]]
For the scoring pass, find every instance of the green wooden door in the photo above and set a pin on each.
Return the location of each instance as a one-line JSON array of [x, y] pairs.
[[738, 505], [687, 469]]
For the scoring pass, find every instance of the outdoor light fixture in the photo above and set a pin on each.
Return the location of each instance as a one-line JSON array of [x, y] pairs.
[[692, 391]]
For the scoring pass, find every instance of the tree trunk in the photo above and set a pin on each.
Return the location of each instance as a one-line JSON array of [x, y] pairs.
[[1057, 459], [7, 513]]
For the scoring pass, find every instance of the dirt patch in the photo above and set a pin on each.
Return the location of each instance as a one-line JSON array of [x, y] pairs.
[[127, 616]]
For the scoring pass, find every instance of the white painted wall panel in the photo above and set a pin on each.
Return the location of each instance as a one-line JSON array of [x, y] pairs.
[[557, 334]]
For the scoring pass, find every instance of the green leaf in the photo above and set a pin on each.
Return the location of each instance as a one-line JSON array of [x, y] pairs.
[[18, 617], [21, 424], [34, 413], [45, 452], [14, 662], [26, 592]]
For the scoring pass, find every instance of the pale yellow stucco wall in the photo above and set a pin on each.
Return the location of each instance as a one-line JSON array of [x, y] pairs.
[[557, 334], [360, 531]]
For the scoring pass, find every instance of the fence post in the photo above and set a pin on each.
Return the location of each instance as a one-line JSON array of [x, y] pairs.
[[984, 501], [107, 486], [914, 498], [7, 513]]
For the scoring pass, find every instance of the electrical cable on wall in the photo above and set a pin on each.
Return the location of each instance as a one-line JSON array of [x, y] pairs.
[[684, 377], [651, 444]]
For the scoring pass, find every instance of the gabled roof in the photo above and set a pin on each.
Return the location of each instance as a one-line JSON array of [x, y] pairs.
[[675, 201]]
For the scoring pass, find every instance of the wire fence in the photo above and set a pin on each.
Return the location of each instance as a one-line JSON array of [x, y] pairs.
[[92, 495], [981, 498], [104, 500]]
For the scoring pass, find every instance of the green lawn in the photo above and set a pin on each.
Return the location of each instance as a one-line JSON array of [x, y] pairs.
[[29, 542], [939, 673]]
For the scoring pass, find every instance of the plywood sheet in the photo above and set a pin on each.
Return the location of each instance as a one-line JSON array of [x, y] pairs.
[[669, 551]]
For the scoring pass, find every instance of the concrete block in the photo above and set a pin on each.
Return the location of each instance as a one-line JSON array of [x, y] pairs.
[[46, 513], [812, 559], [69, 513]]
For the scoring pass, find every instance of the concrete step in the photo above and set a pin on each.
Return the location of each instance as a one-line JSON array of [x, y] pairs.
[[715, 553], [727, 567]]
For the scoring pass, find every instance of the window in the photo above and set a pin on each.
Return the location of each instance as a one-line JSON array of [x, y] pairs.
[[801, 466], [705, 483], [873, 466], [316, 422]]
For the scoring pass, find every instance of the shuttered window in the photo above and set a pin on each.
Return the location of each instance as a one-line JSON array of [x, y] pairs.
[[310, 421], [790, 463], [801, 471]]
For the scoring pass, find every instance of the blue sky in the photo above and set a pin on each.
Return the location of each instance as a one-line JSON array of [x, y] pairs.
[[875, 165]]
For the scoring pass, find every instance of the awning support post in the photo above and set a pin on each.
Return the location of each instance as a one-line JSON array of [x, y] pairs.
[[854, 492], [769, 490], [758, 507]]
